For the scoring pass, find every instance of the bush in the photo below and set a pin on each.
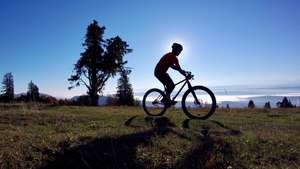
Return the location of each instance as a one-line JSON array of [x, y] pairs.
[[251, 104], [83, 100], [285, 103], [267, 105], [48, 100], [112, 100]]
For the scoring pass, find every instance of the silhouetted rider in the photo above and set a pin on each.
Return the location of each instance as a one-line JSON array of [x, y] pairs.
[[167, 61]]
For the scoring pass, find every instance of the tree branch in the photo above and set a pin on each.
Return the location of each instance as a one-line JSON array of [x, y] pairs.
[[86, 76], [104, 79], [82, 81]]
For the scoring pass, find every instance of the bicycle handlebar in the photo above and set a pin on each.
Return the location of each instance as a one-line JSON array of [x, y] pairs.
[[189, 75]]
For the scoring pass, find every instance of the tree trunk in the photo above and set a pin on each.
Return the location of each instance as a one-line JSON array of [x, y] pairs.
[[94, 99], [94, 92]]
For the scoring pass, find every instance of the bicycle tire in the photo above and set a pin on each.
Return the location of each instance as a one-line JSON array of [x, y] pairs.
[[147, 109], [213, 104]]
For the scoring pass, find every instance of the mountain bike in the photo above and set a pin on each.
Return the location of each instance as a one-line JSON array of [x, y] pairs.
[[198, 102]]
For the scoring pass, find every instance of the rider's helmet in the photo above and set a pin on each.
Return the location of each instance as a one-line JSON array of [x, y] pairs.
[[177, 46]]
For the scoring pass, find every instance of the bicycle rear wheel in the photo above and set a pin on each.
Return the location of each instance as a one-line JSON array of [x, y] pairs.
[[152, 102], [198, 102]]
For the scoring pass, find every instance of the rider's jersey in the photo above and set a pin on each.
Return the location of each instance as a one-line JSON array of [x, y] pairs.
[[165, 62]]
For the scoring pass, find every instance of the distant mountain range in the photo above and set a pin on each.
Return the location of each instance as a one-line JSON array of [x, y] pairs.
[[24, 94]]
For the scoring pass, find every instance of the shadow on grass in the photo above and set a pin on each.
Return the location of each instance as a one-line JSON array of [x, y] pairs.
[[121, 152], [109, 152], [209, 150], [205, 128]]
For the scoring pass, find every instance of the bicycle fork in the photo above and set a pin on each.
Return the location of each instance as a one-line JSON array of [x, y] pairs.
[[193, 93]]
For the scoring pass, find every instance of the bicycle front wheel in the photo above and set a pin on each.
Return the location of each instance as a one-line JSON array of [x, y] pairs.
[[199, 102], [152, 102]]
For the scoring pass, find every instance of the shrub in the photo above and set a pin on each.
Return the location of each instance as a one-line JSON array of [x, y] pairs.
[[251, 104], [267, 105], [286, 103]]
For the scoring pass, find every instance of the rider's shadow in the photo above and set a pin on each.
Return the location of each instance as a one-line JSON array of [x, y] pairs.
[[109, 152], [205, 147], [160, 124], [121, 152]]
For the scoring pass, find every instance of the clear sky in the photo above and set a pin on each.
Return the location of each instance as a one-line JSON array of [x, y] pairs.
[[226, 42]]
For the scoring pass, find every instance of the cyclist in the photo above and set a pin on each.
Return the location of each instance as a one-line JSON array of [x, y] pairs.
[[169, 60]]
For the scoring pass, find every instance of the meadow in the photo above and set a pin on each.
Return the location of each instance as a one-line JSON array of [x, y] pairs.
[[44, 136]]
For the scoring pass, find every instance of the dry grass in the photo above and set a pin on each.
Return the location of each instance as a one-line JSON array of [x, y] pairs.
[[41, 136]]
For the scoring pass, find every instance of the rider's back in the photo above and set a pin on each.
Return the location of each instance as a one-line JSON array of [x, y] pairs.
[[165, 62]]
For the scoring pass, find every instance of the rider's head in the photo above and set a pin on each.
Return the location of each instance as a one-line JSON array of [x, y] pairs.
[[176, 48]]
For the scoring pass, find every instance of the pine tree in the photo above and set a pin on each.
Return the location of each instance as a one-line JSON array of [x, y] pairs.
[[33, 92], [125, 92], [7, 88], [101, 60]]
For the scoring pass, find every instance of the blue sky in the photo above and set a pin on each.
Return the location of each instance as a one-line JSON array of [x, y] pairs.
[[229, 42]]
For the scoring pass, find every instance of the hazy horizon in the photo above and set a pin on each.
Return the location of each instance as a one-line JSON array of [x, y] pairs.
[[239, 96]]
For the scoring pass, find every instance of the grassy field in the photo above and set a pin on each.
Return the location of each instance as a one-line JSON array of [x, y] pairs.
[[40, 136]]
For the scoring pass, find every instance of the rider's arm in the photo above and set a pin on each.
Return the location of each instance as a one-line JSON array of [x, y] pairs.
[[177, 67]]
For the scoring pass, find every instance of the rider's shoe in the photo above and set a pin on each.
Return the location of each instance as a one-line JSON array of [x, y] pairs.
[[165, 100], [168, 102]]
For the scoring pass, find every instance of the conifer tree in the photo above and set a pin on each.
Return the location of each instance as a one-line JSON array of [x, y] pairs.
[[101, 60], [7, 92], [125, 92], [33, 92]]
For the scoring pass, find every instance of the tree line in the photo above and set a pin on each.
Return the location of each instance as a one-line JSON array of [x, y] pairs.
[[124, 95], [7, 94]]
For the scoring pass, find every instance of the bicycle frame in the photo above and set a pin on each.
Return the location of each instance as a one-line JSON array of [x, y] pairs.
[[186, 81]]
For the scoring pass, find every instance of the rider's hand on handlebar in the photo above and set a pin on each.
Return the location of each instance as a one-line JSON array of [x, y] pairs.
[[188, 74]]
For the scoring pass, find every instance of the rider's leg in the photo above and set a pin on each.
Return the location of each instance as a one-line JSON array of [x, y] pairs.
[[165, 79], [169, 85]]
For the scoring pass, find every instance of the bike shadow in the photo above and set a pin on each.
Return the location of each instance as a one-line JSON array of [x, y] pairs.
[[121, 152], [210, 127], [207, 145], [109, 152]]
